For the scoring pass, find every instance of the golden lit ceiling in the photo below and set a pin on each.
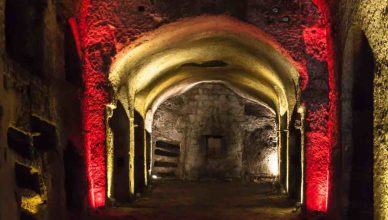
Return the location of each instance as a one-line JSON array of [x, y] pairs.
[[173, 58]]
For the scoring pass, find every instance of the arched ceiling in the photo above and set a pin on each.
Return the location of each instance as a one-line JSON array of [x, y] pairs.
[[177, 56]]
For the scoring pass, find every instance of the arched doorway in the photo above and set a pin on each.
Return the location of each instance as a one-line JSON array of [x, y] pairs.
[[199, 51], [212, 133]]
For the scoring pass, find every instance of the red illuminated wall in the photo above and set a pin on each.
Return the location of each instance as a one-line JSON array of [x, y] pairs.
[[322, 121], [107, 26]]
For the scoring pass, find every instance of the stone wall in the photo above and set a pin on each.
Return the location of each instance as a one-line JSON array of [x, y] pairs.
[[300, 27], [30, 103], [39, 111], [248, 132], [350, 19]]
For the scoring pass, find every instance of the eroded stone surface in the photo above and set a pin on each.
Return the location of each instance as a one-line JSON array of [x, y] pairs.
[[248, 132]]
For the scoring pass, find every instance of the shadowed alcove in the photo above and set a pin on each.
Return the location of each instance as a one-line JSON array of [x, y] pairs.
[[357, 126]]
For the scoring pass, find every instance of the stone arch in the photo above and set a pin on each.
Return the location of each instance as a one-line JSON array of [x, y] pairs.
[[251, 57], [177, 56]]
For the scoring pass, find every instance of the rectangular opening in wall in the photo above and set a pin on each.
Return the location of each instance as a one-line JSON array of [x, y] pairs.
[[47, 135], [165, 174], [166, 153], [26, 179], [167, 146], [214, 147], [19, 143]]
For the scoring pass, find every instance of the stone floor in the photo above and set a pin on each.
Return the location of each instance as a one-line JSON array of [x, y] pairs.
[[208, 200]]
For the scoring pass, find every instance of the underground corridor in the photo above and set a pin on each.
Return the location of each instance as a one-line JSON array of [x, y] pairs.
[[210, 149], [194, 109], [229, 122]]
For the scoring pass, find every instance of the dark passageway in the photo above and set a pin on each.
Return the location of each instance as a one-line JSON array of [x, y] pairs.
[[209, 160], [361, 197], [193, 109]]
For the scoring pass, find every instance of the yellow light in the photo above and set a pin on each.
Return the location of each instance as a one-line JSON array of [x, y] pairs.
[[273, 165], [132, 154], [145, 158], [301, 111], [149, 71], [109, 151], [31, 203], [151, 67]]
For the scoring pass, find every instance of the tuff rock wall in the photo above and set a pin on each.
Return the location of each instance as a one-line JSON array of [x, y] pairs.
[[39, 109], [46, 99], [248, 132], [369, 17], [301, 27]]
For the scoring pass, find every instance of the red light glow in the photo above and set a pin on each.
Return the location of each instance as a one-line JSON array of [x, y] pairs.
[[320, 142], [105, 28]]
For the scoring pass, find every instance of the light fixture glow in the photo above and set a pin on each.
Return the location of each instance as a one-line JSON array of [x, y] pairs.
[[154, 177], [273, 164], [31, 203]]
